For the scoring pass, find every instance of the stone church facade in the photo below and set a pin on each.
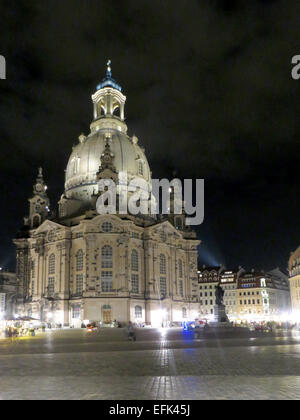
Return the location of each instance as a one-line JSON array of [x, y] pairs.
[[81, 266]]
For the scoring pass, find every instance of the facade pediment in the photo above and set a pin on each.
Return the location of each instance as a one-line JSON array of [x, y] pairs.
[[46, 226], [164, 228]]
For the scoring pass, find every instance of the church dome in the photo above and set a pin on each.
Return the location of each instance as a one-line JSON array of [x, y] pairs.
[[107, 128], [84, 162]]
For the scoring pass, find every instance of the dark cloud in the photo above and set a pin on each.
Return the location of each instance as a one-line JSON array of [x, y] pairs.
[[209, 95]]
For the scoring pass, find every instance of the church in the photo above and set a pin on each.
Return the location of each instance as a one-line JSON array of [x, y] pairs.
[[79, 266]]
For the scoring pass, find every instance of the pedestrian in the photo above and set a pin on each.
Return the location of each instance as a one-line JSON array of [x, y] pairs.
[[131, 332]]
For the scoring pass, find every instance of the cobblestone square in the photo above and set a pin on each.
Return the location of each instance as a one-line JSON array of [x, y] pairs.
[[161, 364]]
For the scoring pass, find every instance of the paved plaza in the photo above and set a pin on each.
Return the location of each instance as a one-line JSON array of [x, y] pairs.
[[161, 364]]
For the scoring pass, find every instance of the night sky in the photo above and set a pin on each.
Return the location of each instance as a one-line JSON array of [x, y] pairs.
[[209, 94]]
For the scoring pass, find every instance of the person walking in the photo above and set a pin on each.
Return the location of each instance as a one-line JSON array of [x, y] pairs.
[[131, 332]]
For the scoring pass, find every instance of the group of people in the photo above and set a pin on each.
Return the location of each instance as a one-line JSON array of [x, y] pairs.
[[18, 331]]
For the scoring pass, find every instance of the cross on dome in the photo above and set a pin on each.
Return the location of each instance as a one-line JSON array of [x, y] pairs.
[[108, 81], [108, 70]]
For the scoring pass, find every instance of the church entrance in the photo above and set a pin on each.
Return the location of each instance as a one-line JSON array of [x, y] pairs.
[[106, 314]]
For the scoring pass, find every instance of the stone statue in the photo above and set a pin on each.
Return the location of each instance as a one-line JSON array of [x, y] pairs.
[[219, 295]]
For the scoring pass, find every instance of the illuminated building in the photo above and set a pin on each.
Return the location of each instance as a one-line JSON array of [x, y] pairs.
[[294, 281], [8, 292], [208, 278], [263, 296], [82, 266]]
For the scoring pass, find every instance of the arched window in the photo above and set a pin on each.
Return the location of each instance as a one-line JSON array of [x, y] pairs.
[[134, 261], [51, 236], [163, 236], [51, 266], [180, 268], [107, 257], [75, 165], [117, 111], [79, 260], [141, 168], [162, 264], [138, 312], [183, 312], [32, 268], [36, 221]]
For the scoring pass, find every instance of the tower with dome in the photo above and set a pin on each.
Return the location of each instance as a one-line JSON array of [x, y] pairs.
[[81, 266]]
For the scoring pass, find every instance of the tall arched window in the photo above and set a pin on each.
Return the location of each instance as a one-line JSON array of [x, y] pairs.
[[134, 268], [141, 168], [163, 272], [107, 263], [180, 268], [51, 266], [33, 268], [36, 221], [162, 264], [134, 261], [107, 257], [79, 260]]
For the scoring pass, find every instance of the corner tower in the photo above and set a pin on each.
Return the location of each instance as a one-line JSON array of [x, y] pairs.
[[38, 203]]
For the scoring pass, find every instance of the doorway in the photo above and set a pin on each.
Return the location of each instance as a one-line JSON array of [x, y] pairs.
[[106, 314]]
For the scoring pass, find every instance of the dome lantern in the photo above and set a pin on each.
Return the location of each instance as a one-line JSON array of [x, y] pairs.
[[108, 100]]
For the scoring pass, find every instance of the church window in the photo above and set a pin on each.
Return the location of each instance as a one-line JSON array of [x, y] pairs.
[[163, 236], [75, 165], [51, 236], [135, 283], [51, 266], [36, 221], [76, 312], [138, 311], [162, 264], [181, 288], [184, 314], [180, 268], [117, 111], [163, 286], [51, 285], [79, 260], [107, 257], [106, 281], [134, 261], [106, 227], [140, 167], [79, 284], [32, 268]]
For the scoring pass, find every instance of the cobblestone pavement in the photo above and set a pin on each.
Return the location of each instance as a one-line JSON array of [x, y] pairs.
[[74, 364]]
